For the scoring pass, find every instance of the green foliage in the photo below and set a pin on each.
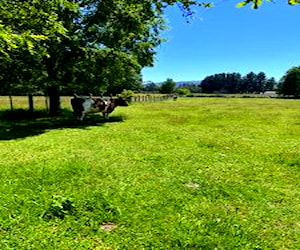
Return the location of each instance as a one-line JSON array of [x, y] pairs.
[[250, 83], [11, 41], [235, 83], [16, 78], [150, 87], [192, 87], [59, 207], [127, 94], [26, 24], [271, 84], [86, 46], [167, 87], [182, 91], [293, 2], [290, 83], [255, 4]]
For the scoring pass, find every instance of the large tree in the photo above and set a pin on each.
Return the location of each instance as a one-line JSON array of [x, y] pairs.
[[223, 82], [270, 84], [250, 83], [261, 82], [83, 44], [30, 32], [290, 83], [167, 87]]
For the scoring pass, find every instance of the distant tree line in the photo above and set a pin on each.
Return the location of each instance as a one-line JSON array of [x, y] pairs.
[[236, 83], [230, 83], [233, 83]]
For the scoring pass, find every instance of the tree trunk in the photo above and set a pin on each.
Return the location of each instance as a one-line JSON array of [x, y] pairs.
[[11, 103], [53, 89], [54, 100], [30, 102], [46, 103]]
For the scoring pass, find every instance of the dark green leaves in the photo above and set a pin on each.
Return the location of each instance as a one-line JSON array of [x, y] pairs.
[[293, 2], [257, 3]]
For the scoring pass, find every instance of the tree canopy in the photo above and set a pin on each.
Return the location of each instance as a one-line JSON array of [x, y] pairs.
[[256, 3], [26, 23], [236, 83], [167, 87], [290, 83]]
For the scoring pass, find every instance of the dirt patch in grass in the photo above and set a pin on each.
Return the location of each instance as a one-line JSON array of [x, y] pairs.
[[192, 185], [108, 227]]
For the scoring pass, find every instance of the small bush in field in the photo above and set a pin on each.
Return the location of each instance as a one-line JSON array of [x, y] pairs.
[[182, 91], [59, 207], [127, 94]]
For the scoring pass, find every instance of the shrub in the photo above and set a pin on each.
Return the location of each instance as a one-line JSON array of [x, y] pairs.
[[183, 91], [127, 94]]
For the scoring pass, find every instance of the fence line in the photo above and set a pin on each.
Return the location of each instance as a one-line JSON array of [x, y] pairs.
[[146, 98], [151, 98], [42, 102]]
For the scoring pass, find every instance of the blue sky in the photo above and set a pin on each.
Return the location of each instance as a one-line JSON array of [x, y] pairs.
[[226, 39]]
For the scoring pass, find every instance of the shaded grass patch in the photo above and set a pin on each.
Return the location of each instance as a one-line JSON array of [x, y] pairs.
[[21, 124]]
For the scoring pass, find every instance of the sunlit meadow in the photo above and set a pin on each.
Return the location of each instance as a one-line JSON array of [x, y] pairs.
[[196, 173]]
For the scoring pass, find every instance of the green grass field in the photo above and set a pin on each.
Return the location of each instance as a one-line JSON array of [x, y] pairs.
[[198, 173]]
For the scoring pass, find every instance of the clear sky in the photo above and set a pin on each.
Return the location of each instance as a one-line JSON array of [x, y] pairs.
[[226, 39]]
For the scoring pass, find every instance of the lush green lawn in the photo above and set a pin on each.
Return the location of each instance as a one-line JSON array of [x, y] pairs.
[[202, 173]]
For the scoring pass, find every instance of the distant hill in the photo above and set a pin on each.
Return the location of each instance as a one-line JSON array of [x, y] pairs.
[[182, 83]]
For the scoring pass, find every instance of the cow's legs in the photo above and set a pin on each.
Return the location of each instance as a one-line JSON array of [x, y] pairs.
[[82, 116], [77, 114], [105, 115]]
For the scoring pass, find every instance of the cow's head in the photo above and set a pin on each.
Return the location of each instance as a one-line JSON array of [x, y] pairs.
[[120, 101]]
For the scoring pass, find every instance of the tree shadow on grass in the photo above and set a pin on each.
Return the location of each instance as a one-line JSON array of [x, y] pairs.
[[20, 124]]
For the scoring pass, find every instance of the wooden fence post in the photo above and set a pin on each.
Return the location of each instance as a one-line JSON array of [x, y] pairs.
[[30, 102], [11, 103], [46, 103]]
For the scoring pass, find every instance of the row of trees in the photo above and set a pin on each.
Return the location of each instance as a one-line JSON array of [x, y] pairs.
[[288, 85], [170, 86], [236, 83], [232, 83]]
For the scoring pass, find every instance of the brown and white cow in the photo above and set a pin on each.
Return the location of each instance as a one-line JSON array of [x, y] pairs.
[[88, 104]]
